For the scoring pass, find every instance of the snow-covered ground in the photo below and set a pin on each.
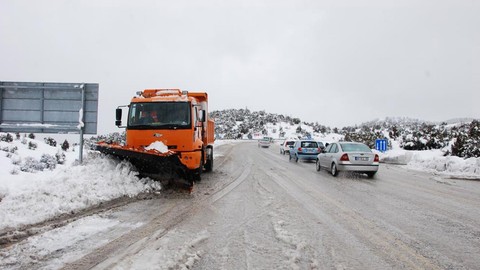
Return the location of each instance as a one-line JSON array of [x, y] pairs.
[[433, 161], [31, 196], [28, 197]]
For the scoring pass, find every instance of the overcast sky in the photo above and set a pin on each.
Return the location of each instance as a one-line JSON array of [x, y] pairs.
[[336, 62]]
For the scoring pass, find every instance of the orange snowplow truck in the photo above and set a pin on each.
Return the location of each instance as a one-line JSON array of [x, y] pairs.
[[168, 135]]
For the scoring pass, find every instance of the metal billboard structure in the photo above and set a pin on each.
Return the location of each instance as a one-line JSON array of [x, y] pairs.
[[38, 107]]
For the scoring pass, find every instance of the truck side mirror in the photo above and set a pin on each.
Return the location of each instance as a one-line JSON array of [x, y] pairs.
[[202, 116], [118, 117]]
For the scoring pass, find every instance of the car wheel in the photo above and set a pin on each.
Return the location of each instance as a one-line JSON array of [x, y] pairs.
[[317, 165], [371, 174], [296, 158], [334, 170]]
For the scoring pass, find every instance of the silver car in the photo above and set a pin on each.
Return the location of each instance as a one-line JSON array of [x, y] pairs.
[[348, 156]]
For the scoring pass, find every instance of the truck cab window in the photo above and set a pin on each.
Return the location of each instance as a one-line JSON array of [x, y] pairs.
[[160, 115]]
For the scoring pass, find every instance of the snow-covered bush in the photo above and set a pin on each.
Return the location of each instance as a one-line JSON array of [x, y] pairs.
[[49, 161], [32, 165], [364, 135], [115, 137], [467, 140], [6, 137], [16, 159], [65, 145], [32, 145], [51, 141], [13, 149], [425, 137], [10, 149], [60, 156]]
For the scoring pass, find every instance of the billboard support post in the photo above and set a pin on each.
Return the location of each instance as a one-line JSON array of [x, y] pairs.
[[81, 118]]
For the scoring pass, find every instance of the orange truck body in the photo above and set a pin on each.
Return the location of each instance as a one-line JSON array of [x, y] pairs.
[[179, 121]]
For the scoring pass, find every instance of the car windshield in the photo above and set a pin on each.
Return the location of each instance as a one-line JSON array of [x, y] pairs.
[[290, 143], [354, 147], [309, 145], [159, 115]]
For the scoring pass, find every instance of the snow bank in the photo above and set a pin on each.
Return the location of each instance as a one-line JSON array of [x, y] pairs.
[[70, 188], [434, 161], [33, 196]]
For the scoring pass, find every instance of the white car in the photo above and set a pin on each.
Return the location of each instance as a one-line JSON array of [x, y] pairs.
[[348, 156], [286, 146], [264, 143]]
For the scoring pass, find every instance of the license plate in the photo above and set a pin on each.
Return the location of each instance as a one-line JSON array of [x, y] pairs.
[[361, 158]]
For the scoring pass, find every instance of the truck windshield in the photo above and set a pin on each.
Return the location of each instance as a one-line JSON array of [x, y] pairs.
[[159, 115]]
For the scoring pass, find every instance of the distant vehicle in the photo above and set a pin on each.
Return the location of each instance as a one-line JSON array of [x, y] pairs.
[[286, 146], [264, 143], [269, 138], [304, 149], [348, 156], [321, 145]]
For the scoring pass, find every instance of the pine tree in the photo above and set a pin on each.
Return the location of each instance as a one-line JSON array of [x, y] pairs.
[[65, 145]]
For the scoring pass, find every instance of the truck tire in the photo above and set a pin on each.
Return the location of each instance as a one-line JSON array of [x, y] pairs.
[[209, 163]]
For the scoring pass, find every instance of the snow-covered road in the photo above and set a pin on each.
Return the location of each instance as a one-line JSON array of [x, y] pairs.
[[257, 210]]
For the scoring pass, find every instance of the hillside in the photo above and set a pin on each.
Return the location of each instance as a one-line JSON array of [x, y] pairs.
[[460, 138]]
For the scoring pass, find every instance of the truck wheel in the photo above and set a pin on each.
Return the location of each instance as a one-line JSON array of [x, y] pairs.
[[197, 176], [209, 163]]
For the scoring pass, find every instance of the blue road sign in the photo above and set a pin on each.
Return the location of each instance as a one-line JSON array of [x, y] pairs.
[[381, 145]]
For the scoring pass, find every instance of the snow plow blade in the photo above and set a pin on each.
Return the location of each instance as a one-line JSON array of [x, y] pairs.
[[164, 167]]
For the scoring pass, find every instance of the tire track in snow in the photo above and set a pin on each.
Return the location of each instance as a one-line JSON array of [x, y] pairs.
[[126, 245], [385, 243]]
